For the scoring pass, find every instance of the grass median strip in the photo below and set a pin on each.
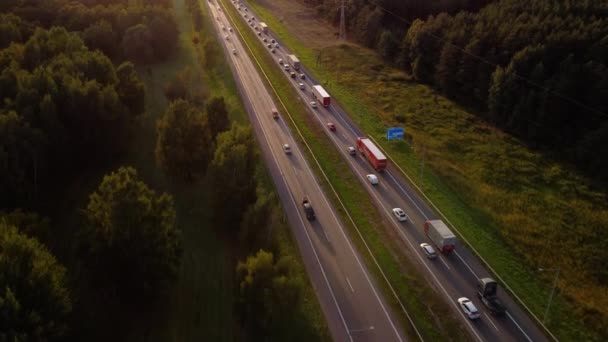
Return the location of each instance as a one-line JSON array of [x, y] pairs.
[[413, 291]]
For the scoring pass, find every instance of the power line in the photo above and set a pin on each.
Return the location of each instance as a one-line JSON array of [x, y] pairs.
[[483, 60]]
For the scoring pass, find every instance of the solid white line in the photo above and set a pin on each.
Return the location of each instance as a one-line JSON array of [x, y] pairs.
[[406, 194], [299, 215], [350, 285], [465, 263], [490, 320], [444, 263], [520, 329]]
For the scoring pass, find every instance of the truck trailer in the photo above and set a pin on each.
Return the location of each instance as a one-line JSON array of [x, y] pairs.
[[294, 61], [264, 28], [372, 153], [321, 95], [441, 235]]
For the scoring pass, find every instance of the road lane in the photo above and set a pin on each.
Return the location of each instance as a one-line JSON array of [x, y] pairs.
[[348, 295], [457, 273]]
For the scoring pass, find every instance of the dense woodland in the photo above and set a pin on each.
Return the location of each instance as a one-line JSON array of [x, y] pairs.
[[72, 99], [536, 69]]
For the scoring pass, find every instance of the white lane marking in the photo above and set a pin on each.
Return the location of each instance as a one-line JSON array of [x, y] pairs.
[[445, 292], [371, 327], [444, 263], [467, 265], [325, 233], [299, 214], [344, 136], [520, 329], [356, 258], [406, 194], [350, 285], [490, 320]]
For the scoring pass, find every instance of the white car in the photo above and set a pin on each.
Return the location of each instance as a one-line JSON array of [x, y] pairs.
[[280, 61], [313, 104], [234, 51], [428, 250], [400, 214], [351, 150], [230, 29], [227, 38], [301, 85], [287, 149], [468, 308], [223, 28], [286, 67], [372, 179]]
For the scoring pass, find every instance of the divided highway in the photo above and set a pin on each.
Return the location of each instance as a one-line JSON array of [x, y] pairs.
[[455, 275], [349, 297]]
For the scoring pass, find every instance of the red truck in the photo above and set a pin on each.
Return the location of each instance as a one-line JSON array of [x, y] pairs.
[[441, 235], [372, 153]]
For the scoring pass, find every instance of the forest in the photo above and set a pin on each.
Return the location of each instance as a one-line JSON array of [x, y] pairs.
[[536, 69]]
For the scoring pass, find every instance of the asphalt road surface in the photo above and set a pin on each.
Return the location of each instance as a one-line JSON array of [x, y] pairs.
[[455, 275], [350, 300]]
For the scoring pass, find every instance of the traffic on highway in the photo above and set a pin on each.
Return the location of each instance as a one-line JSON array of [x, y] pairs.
[[485, 306]]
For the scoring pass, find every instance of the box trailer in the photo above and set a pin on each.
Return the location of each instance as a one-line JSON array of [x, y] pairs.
[[321, 95], [372, 153], [294, 61], [441, 235]]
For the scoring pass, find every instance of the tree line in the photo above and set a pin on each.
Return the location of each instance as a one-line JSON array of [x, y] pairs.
[[536, 69], [69, 109]]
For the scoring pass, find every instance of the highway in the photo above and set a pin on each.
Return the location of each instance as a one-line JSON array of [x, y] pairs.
[[453, 276], [349, 297]]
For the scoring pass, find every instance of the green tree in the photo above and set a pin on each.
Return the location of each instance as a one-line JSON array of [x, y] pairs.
[[34, 298], [131, 89], [217, 115], [101, 35], [131, 243], [269, 293], [231, 175], [137, 44], [184, 145], [388, 45], [163, 29]]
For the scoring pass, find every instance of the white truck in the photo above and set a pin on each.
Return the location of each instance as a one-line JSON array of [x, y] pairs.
[[294, 61], [264, 28], [441, 235], [321, 95]]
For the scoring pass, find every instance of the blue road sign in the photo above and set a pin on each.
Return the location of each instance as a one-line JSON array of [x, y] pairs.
[[394, 133]]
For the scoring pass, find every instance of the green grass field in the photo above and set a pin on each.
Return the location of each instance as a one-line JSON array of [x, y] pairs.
[[420, 300], [501, 197]]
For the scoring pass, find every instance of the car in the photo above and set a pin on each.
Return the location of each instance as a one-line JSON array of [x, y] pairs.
[[230, 29], [372, 179], [249, 20], [260, 34], [331, 126], [223, 28], [275, 113], [264, 39], [281, 61], [286, 67], [428, 250], [351, 150], [256, 28], [273, 50], [400, 214], [313, 104], [234, 51], [287, 148], [468, 308], [302, 76], [246, 14], [273, 41], [292, 74], [245, 9], [252, 18], [276, 45], [218, 18], [227, 38], [301, 85]]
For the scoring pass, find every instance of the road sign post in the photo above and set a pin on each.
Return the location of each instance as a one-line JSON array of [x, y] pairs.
[[394, 133]]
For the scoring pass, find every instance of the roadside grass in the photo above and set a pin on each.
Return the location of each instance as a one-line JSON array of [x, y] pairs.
[[420, 300], [504, 199]]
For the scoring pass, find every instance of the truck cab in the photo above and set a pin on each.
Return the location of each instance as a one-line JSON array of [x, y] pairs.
[[486, 291]]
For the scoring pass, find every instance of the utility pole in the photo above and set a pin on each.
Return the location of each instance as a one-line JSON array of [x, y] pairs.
[[552, 290], [342, 22]]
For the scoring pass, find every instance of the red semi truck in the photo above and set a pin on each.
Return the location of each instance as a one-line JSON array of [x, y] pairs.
[[321, 95], [372, 153], [441, 235]]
